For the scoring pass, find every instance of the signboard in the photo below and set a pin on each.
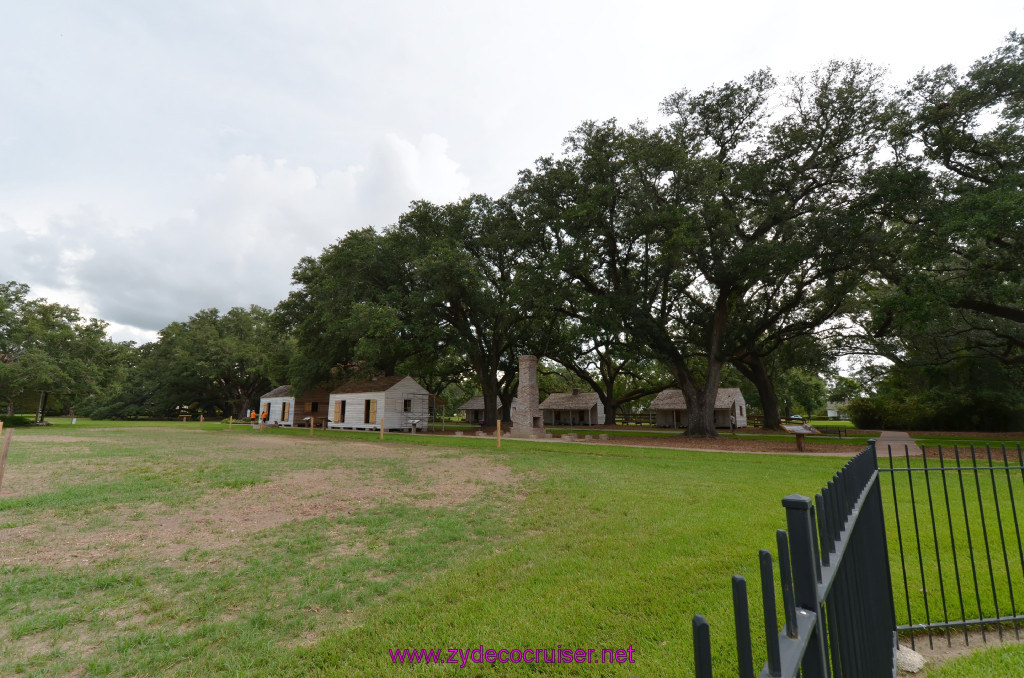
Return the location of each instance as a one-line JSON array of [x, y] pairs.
[[799, 429]]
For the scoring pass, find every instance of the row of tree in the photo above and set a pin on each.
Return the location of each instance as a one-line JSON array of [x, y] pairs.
[[763, 230], [766, 226]]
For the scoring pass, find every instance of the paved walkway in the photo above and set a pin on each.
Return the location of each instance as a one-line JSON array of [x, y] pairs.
[[899, 441]]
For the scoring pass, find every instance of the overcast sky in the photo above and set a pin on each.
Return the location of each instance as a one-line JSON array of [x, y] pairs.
[[157, 158]]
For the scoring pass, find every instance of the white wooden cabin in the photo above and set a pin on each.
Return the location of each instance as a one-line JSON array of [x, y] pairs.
[[284, 408], [279, 405], [397, 403], [669, 407], [573, 409]]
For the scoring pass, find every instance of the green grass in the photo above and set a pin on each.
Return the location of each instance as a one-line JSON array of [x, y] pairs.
[[592, 547], [587, 547], [840, 423], [974, 514]]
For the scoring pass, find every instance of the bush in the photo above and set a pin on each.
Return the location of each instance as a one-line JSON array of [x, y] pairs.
[[867, 413], [940, 410]]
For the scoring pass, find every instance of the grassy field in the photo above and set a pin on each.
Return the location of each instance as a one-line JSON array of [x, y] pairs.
[[190, 549], [993, 662], [972, 513], [193, 550]]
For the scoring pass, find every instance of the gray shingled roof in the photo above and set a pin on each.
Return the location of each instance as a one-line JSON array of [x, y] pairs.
[[474, 403], [477, 403], [672, 399], [284, 391], [570, 401], [378, 384]]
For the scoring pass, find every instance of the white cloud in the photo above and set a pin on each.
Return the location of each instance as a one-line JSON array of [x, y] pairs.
[[235, 245], [159, 158]]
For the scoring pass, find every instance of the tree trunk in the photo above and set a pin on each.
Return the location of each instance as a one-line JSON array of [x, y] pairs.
[[611, 406], [489, 386], [702, 414], [506, 406], [752, 367], [41, 412], [700, 401]]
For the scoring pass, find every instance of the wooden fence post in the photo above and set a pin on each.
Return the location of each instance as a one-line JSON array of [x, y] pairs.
[[3, 456]]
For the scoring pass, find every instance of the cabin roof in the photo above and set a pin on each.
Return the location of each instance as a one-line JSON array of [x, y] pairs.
[[570, 401], [672, 399], [283, 391], [371, 385]]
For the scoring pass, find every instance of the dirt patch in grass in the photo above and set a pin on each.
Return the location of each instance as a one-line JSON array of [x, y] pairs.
[[22, 480], [30, 438], [198, 535], [941, 650]]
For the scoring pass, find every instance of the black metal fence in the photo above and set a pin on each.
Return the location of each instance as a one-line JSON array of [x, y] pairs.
[[836, 587], [961, 558]]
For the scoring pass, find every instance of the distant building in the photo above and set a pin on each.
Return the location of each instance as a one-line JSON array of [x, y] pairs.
[[836, 410], [573, 409], [669, 407], [473, 409]]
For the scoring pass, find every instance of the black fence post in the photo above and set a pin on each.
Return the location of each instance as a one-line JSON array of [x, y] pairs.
[[802, 536], [701, 647]]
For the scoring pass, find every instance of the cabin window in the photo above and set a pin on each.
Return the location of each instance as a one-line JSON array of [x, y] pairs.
[[266, 409], [370, 412], [307, 408], [407, 406], [284, 411], [741, 410]]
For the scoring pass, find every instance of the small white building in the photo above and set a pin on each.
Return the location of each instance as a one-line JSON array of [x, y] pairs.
[[669, 407], [473, 409], [397, 403], [284, 408], [573, 409]]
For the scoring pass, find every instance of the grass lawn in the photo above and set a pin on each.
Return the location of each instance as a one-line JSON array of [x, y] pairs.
[[1005, 661], [974, 514], [188, 549], [835, 423]]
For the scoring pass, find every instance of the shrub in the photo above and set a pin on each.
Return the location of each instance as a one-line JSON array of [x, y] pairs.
[[16, 420]]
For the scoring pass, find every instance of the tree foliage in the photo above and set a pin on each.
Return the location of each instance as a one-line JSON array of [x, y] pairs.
[[733, 229], [49, 348], [734, 243]]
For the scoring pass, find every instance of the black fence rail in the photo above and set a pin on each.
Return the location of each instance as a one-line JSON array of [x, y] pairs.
[[961, 558], [836, 588]]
